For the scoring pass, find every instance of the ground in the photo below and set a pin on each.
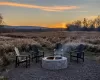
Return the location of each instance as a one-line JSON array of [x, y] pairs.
[[88, 70]]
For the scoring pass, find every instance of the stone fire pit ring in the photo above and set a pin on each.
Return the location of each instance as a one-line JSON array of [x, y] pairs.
[[54, 63]]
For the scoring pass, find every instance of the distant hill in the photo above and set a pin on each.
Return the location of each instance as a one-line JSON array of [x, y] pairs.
[[25, 27], [28, 29]]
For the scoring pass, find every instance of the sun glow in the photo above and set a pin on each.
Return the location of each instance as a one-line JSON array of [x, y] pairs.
[[58, 25]]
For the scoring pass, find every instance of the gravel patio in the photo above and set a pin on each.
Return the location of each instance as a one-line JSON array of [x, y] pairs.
[[89, 70]]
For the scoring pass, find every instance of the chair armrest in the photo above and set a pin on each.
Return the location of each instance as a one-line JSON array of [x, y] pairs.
[[22, 58], [73, 51], [40, 51], [81, 52], [23, 55], [31, 51]]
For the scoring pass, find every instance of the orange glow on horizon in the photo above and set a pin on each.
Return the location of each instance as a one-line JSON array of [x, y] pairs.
[[55, 25], [58, 25]]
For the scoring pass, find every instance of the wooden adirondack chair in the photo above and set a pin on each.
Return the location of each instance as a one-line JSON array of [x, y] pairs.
[[36, 53], [21, 58], [78, 53]]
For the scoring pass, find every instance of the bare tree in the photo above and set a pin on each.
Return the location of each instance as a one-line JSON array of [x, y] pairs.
[[1, 19], [97, 21], [1, 23], [89, 23], [77, 23], [85, 24]]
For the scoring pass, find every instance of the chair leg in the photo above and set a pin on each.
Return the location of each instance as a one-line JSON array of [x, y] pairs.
[[77, 59], [32, 58], [43, 54], [83, 59], [41, 64], [26, 62], [16, 62], [29, 60], [36, 59], [70, 58]]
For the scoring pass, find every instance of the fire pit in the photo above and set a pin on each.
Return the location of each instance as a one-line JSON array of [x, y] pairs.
[[54, 63], [53, 58]]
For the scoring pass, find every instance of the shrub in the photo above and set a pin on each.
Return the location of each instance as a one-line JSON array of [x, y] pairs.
[[3, 78]]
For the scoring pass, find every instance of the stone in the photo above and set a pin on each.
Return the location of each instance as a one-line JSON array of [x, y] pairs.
[[54, 64]]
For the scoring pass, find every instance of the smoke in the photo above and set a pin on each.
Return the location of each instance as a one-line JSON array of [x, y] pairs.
[[66, 48]]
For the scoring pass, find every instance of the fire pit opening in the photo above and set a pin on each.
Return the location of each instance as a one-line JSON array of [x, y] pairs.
[[52, 58]]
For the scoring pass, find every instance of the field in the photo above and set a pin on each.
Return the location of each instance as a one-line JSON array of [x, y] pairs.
[[46, 42]]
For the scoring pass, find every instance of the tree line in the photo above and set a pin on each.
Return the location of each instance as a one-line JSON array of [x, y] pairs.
[[1, 23], [1, 20], [85, 25], [78, 25]]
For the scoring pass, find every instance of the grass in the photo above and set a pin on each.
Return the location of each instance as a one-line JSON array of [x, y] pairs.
[[46, 41], [3, 78]]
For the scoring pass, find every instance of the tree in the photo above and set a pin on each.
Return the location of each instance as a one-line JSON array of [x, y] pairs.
[[1, 19], [77, 23], [85, 24], [97, 21], [71, 27], [1, 23], [92, 28]]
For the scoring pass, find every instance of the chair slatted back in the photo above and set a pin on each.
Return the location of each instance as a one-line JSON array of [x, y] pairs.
[[17, 53], [80, 49], [58, 46]]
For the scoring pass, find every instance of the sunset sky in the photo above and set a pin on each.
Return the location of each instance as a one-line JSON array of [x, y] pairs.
[[47, 13]]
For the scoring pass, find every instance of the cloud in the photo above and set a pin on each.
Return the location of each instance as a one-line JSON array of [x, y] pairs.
[[79, 11], [45, 8]]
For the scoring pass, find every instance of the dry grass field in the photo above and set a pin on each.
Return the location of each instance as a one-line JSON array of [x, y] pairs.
[[45, 40]]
